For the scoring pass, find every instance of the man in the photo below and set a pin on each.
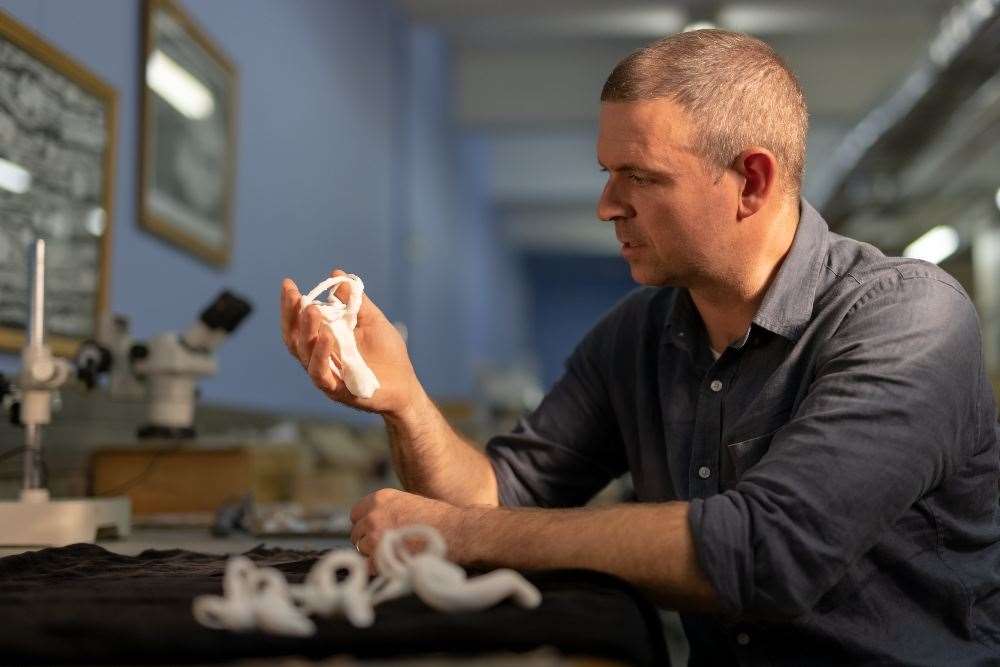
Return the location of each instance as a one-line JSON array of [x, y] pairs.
[[807, 423]]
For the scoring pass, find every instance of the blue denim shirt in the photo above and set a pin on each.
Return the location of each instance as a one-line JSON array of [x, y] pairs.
[[842, 465]]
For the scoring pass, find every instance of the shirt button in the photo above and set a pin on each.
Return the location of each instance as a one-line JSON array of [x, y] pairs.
[[716, 385], [704, 472], [743, 639]]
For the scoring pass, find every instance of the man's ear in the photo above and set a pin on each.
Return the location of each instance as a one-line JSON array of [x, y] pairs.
[[759, 170]]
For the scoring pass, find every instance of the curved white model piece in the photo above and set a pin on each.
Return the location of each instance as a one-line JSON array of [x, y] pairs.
[[445, 586], [392, 559], [274, 610], [342, 319], [410, 559], [440, 583], [252, 598], [324, 595], [233, 610]]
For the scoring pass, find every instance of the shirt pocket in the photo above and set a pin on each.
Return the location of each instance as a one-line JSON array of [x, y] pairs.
[[746, 453]]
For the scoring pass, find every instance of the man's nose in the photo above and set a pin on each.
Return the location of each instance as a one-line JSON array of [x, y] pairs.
[[610, 206]]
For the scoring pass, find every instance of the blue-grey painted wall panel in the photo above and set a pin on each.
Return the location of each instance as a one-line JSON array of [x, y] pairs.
[[568, 296]]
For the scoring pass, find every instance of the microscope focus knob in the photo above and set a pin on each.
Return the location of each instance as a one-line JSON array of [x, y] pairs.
[[41, 369], [138, 352], [9, 400], [92, 359]]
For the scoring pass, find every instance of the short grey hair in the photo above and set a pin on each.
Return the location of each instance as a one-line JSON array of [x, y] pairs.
[[735, 88]]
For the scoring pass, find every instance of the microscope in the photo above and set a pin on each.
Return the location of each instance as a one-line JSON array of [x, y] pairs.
[[166, 370], [171, 365], [36, 519]]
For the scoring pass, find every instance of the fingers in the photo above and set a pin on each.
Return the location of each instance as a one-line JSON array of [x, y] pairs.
[[366, 546], [366, 543], [364, 531], [336, 362], [319, 363], [364, 537], [362, 508], [290, 298], [310, 321], [343, 290], [373, 516], [358, 530]]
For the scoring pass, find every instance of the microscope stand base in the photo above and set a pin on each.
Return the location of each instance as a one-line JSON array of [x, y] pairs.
[[57, 523]]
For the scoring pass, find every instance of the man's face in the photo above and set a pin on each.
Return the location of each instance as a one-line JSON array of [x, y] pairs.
[[673, 211]]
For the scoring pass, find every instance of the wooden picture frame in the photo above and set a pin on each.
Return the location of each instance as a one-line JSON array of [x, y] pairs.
[[57, 146], [188, 135]]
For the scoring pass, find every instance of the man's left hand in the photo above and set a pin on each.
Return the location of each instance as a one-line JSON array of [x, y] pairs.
[[388, 509]]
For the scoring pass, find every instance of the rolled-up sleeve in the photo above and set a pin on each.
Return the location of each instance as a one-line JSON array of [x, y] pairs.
[[570, 446], [890, 413]]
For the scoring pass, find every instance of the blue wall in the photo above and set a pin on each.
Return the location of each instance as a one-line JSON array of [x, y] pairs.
[[347, 156], [431, 249], [495, 292], [568, 296]]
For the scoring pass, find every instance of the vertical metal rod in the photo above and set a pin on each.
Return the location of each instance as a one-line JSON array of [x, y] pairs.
[[36, 317], [36, 338], [32, 456]]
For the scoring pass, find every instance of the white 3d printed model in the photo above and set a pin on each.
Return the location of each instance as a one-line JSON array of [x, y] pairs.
[[342, 319], [439, 582], [253, 598], [260, 597]]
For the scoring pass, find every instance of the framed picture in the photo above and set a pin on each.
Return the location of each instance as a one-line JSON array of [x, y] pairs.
[[187, 162], [57, 148]]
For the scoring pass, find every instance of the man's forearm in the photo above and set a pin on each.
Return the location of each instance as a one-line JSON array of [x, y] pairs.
[[648, 545], [432, 460]]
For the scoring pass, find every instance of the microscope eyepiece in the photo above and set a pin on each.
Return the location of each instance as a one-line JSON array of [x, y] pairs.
[[226, 312]]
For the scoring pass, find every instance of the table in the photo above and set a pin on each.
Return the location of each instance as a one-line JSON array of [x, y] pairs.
[[119, 603]]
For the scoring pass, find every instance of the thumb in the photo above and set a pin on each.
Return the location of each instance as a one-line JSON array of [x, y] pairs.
[[342, 291], [368, 311]]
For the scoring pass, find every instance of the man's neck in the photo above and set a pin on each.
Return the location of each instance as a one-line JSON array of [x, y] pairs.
[[728, 304]]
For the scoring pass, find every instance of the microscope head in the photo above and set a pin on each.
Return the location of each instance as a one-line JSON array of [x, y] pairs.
[[217, 321]]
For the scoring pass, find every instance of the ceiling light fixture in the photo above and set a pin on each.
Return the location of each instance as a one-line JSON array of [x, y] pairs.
[[762, 19], [699, 25], [935, 246]]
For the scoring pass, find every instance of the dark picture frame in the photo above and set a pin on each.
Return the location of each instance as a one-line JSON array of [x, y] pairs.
[[188, 135], [57, 154]]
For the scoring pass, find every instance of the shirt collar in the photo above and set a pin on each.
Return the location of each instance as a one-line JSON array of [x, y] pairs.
[[788, 303], [684, 322]]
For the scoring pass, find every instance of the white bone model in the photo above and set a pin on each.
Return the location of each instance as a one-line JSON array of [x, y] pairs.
[[261, 598], [253, 598], [342, 319]]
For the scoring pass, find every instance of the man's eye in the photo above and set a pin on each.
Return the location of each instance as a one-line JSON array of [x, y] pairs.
[[639, 179]]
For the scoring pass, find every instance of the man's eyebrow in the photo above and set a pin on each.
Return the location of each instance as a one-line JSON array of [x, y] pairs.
[[628, 166]]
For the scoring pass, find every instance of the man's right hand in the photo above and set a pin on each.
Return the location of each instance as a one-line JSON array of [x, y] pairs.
[[309, 340]]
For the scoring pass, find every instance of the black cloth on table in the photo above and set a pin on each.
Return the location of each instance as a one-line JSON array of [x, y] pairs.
[[84, 604]]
